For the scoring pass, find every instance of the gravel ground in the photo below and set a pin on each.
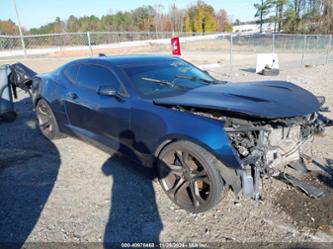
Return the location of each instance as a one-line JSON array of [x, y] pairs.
[[67, 190]]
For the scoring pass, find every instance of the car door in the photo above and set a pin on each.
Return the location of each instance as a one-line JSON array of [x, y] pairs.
[[102, 118]]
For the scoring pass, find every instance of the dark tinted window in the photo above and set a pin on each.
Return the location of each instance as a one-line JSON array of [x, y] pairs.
[[71, 72], [165, 77], [93, 76]]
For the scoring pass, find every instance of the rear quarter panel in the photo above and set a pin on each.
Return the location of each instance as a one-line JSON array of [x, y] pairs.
[[50, 88]]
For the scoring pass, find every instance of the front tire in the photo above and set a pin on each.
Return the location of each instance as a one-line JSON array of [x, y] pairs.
[[46, 120], [189, 176]]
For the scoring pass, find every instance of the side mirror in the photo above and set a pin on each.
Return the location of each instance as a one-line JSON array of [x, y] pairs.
[[108, 91]]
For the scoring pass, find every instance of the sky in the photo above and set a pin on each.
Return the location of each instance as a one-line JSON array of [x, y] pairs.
[[34, 13]]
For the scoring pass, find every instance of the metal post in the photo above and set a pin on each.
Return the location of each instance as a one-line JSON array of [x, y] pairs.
[[20, 30], [273, 43], [230, 53], [249, 42], [328, 49], [89, 44], [304, 47]]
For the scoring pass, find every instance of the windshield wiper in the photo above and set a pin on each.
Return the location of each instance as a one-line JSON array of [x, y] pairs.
[[164, 82], [193, 78]]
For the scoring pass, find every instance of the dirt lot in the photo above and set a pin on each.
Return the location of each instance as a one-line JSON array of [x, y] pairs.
[[70, 191]]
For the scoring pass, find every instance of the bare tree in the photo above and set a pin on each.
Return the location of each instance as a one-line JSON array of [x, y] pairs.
[[326, 19], [222, 20], [159, 8], [177, 18]]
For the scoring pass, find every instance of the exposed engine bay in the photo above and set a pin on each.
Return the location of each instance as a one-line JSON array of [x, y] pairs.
[[266, 146], [269, 144]]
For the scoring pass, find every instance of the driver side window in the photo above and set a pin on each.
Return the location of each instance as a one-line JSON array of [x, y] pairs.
[[92, 76]]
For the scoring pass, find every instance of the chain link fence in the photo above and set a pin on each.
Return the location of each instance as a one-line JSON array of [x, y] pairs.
[[224, 48]]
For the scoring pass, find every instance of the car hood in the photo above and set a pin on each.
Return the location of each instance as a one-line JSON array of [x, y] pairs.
[[262, 99]]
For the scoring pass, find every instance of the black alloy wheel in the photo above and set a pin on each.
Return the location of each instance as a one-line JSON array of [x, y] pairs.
[[46, 120], [188, 176]]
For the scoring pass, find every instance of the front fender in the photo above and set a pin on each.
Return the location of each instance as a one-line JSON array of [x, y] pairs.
[[206, 132], [218, 144], [154, 126]]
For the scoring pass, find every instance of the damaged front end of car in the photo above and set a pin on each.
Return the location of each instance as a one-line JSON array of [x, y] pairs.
[[265, 147]]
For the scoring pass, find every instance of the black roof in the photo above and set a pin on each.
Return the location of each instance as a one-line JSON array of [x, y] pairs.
[[117, 60]]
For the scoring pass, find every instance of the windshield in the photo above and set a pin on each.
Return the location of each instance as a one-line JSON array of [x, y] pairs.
[[166, 77]]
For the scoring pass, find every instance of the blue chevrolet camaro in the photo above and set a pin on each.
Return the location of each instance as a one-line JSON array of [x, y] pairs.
[[202, 135]]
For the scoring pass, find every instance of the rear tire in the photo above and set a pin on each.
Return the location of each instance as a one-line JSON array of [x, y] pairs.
[[46, 120], [189, 176]]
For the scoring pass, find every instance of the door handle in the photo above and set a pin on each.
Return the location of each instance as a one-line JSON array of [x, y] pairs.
[[72, 95]]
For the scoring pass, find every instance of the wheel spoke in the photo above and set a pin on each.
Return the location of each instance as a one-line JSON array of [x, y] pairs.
[[199, 174], [182, 188], [42, 112], [175, 169], [182, 157], [46, 124], [177, 186], [196, 198], [171, 169], [178, 157]]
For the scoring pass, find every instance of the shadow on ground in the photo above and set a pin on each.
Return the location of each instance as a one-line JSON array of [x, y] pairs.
[[29, 166], [248, 70], [306, 211], [134, 215]]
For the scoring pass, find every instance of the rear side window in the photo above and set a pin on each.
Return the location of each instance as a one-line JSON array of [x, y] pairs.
[[71, 72], [92, 76]]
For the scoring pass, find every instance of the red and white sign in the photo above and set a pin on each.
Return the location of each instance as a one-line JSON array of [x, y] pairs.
[[175, 45]]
